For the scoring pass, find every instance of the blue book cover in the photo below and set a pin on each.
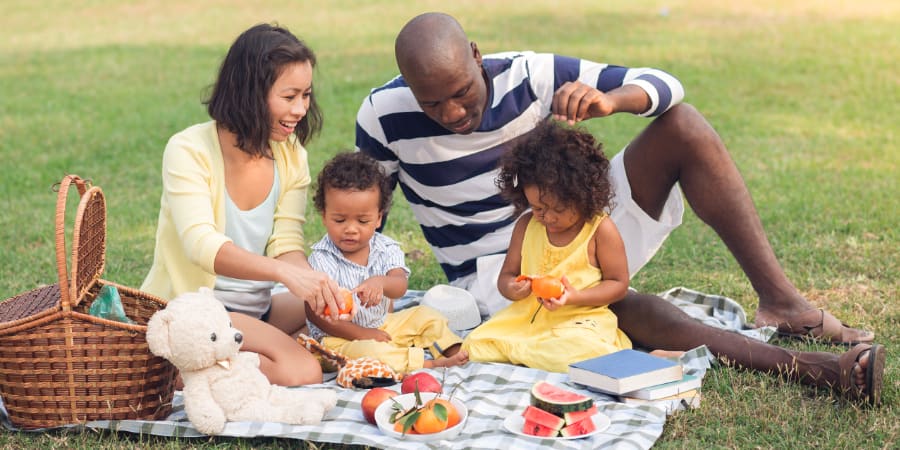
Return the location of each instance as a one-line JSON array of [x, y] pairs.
[[625, 371]]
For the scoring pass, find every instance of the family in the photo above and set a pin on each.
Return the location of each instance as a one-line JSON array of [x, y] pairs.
[[487, 151]]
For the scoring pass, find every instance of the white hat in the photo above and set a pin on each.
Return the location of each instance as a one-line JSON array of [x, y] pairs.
[[457, 304]]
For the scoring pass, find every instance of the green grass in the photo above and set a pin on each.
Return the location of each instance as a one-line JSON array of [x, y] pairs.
[[804, 93]]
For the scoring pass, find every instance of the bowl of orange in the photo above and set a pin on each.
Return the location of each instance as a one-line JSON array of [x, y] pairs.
[[433, 417]]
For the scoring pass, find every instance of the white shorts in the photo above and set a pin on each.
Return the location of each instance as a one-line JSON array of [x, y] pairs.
[[642, 234]]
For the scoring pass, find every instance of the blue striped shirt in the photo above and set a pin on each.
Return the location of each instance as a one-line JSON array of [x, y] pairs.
[[385, 255], [448, 179]]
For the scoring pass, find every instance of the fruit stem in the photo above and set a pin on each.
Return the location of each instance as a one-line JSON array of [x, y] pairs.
[[536, 311]]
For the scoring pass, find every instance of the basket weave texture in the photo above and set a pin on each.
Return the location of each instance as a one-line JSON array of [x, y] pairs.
[[58, 364]]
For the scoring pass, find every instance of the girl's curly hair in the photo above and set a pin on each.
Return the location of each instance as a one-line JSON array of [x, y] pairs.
[[353, 171], [566, 162]]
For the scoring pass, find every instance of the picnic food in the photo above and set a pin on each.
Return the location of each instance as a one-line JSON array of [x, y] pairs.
[[558, 412], [372, 399], [434, 416], [421, 381], [345, 305], [544, 286]]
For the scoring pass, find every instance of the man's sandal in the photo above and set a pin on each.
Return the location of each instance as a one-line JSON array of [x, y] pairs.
[[820, 325], [871, 394]]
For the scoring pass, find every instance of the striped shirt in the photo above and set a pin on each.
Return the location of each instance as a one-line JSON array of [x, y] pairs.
[[385, 254], [448, 179]]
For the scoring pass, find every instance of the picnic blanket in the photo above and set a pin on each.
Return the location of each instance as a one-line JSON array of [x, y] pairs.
[[490, 391]]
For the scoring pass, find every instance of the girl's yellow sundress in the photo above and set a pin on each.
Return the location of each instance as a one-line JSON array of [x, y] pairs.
[[556, 338]]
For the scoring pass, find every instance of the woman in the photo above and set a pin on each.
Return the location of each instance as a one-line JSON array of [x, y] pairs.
[[234, 198]]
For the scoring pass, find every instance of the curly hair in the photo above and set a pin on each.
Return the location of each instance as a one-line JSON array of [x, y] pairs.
[[239, 97], [353, 171], [566, 162]]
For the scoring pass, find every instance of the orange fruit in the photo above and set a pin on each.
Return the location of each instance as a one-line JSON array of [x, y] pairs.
[[345, 303], [547, 287], [453, 417], [429, 421], [398, 427]]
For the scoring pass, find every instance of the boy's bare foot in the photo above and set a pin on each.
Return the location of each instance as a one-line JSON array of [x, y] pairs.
[[453, 356]]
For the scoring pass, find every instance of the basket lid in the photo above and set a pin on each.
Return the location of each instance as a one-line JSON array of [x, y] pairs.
[[88, 244], [89, 240]]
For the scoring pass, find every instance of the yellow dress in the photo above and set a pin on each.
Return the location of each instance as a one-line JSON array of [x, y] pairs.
[[556, 338]]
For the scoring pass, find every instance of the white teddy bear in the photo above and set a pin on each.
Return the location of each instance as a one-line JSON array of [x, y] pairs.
[[222, 383]]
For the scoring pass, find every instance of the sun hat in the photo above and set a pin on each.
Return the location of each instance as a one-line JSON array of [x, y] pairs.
[[457, 304]]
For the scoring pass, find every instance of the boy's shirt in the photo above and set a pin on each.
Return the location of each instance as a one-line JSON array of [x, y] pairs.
[[385, 254]]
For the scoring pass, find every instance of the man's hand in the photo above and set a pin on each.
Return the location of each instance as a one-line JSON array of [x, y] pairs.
[[575, 101]]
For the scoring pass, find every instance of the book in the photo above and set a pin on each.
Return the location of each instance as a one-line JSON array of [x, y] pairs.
[[686, 383], [624, 371], [678, 402]]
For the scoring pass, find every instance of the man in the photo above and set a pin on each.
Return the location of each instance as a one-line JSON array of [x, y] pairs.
[[440, 127]]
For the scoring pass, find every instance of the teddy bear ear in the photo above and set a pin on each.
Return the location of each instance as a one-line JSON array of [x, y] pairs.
[[158, 333]]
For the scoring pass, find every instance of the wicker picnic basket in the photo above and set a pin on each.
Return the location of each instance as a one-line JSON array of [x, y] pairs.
[[60, 365]]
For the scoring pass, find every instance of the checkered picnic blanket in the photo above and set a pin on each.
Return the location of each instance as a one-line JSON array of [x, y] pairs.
[[490, 391]]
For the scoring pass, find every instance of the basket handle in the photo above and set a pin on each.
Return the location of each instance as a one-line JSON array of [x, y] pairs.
[[62, 194]]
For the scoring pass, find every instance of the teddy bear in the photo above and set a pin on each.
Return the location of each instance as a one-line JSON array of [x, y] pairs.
[[222, 383]]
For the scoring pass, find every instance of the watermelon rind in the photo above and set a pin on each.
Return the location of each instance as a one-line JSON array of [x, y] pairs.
[[576, 416], [580, 428], [539, 416], [558, 401], [536, 429]]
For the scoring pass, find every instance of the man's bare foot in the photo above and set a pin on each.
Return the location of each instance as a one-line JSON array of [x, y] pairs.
[[675, 354]]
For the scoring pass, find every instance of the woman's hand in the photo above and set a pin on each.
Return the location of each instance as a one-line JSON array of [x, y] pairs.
[[315, 288]]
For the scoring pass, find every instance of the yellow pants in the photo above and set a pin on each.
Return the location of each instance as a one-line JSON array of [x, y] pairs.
[[555, 339], [412, 330]]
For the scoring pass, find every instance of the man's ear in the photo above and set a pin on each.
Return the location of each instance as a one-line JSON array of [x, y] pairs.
[[158, 333], [475, 52]]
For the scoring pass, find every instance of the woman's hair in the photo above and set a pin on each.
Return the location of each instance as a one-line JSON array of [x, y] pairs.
[[239, 98], [565, 162], [353, 171]]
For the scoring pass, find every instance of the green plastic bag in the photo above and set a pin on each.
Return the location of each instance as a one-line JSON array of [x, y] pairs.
[[108, 305]]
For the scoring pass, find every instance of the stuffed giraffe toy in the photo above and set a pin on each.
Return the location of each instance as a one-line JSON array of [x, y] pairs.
[[363, 373]]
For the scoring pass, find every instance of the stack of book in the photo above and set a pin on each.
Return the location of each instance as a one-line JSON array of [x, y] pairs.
[[639, 378]]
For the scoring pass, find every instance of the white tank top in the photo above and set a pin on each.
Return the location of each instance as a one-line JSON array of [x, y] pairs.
[[249, 230]]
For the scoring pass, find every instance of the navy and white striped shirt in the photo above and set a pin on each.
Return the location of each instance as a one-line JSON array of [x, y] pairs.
[[448, 179], [385, 255]]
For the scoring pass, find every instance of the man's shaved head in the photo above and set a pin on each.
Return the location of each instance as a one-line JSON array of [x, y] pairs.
[[430, 42]]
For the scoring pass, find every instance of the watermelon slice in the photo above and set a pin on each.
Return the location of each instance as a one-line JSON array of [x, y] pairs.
[[577, 416], [536, 429], [580, 428], [558, 401], [541, 417]]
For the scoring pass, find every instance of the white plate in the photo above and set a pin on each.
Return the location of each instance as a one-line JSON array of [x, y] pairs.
[[384, 410], [514, 423]]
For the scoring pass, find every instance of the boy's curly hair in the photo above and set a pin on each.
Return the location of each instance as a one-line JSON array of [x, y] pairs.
[[566, 162], [353, 171]]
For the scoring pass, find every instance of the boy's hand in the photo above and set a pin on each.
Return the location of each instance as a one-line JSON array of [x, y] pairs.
[[376, 335], [369, 292]]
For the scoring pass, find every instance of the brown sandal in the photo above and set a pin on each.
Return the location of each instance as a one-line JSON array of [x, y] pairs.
[[874, 372], [820, 325]]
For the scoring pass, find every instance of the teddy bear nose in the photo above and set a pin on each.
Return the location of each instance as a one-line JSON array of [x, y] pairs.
[[238, 338]]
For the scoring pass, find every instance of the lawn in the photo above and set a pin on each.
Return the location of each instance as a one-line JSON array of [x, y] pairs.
[[804, 93]]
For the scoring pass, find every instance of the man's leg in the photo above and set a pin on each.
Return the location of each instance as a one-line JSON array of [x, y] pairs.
[[680, 146], [654, 323]]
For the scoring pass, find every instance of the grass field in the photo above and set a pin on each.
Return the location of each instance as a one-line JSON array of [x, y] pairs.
[[804, 93]]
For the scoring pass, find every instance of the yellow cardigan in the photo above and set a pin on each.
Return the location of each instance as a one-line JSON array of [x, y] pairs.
[[191, 227]]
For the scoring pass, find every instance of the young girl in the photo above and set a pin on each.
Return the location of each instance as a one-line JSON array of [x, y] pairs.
[[234, 197], [561, 174], [353, 194]]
